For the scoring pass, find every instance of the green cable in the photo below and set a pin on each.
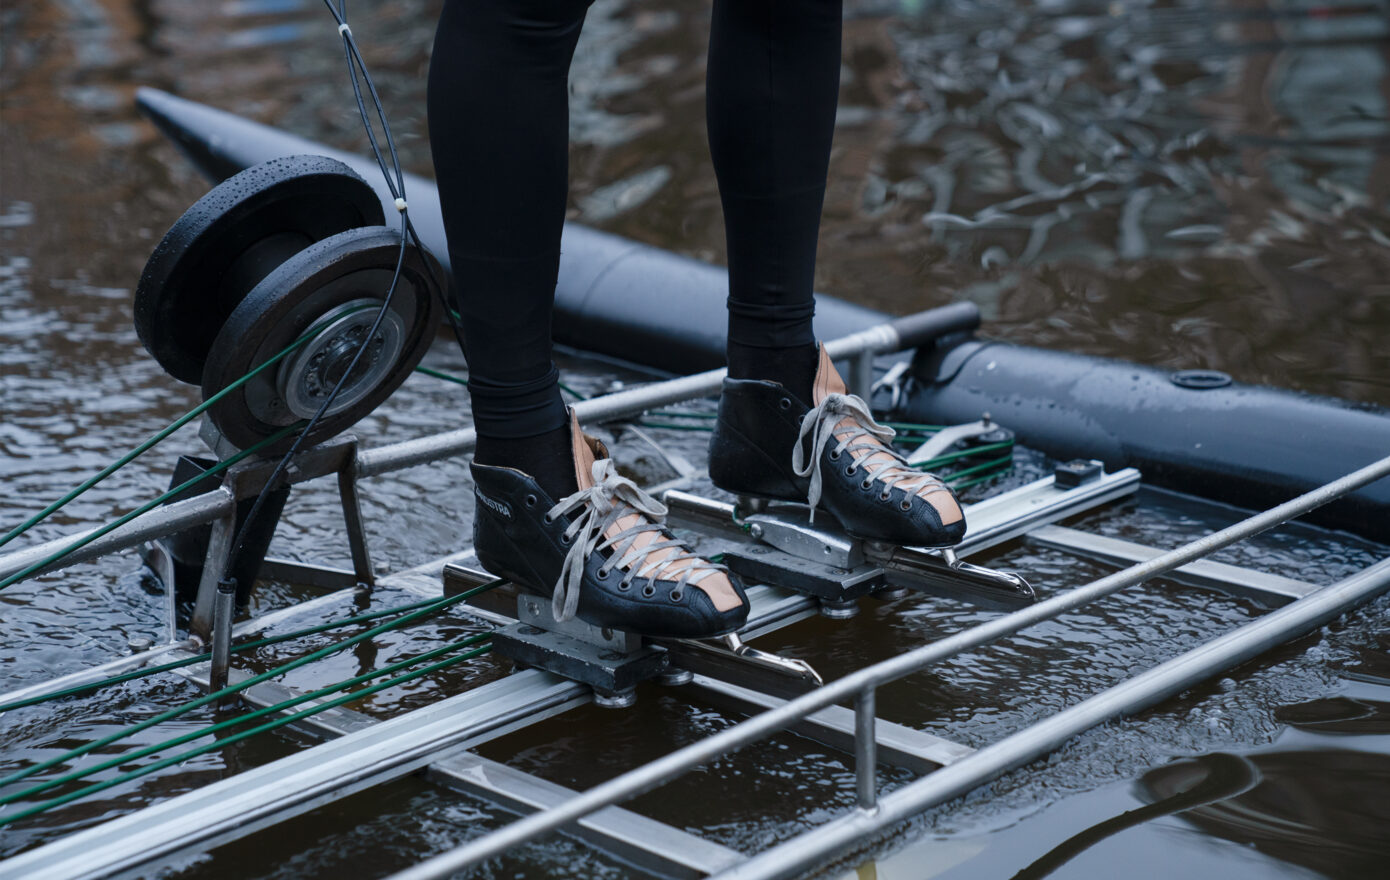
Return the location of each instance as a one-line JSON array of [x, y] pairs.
[[948, 457], [995, 463], [238, 737], [143, 672], [912, 427], [438, 605], [153, 440], [564, 387], [968, 483], [439, 374], [240, 719], [146, 508]]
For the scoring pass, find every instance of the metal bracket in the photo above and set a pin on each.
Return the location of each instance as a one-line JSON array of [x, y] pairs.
[[836, 588], [836, 568], [894, 381], [246, 480], [791, 532], [610, 661], [942, 441]]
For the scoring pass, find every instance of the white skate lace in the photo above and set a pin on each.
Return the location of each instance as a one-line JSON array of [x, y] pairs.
[[611, 498], [826, 422]]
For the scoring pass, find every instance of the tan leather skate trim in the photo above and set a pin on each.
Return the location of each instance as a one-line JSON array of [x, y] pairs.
[[587, 452], [827, 379], [827, 382], [946, 505], [583, 449]]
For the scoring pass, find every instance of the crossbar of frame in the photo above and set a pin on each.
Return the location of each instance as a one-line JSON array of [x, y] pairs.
[[662, 770]]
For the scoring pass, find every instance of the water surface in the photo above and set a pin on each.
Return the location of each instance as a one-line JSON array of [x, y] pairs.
[[1182, 184]]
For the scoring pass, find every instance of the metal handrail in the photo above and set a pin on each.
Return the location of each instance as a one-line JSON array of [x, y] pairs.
[[861, 683], [882, 338]]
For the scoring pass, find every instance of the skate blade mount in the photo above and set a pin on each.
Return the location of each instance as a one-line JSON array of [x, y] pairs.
[[612, 661], [824, 562]]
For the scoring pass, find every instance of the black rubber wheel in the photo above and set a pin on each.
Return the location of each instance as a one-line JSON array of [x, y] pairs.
[[229, 240], [344, 277]]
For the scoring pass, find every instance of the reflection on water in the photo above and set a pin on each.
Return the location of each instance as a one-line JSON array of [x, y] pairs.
[[1324, 810], [1182, 183]]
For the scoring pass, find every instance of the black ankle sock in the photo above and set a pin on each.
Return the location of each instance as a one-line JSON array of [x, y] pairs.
[[546, 457], [794, 368]]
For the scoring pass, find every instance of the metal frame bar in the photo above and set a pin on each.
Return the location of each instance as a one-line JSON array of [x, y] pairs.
[[309, 465], [1193, 666], [290, 786], [772, 609], [652, 845], [791, 857], [834, 727], [1272, 589]]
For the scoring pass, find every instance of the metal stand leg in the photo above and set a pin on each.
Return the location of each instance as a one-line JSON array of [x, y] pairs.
[[356, 533], [224, 611], [219, 547], [865, 751]]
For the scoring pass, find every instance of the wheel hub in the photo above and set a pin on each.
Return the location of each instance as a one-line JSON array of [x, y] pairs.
[[308, 376]]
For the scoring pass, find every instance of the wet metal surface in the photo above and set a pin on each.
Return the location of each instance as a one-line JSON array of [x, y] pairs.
[[1193, 184]]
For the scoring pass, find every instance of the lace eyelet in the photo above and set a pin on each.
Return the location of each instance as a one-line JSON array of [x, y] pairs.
[[602, 574], [885, 497], [624, 586], [866, 485], [851, 470], [784, 403], [530, 500], [676, 595], [834, 455], [566, 540], [549, 519], [906, 505], [648, 591]]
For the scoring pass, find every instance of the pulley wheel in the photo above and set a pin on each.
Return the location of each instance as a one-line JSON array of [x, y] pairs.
[[232, 238], [332, 292]]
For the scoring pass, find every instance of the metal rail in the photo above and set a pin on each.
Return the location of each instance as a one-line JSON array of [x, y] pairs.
[[146, 831], [221, 503], [238, 805], [653, 846], [1174, 676], [1272, 589], [822, 841]]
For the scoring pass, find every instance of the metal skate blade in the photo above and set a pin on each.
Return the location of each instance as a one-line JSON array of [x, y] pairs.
[[942, 573], [729, 659]]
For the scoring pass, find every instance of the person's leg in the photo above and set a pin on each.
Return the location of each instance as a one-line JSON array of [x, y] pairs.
[[499, 133], [772, 85], [787, 427], [553, 513]]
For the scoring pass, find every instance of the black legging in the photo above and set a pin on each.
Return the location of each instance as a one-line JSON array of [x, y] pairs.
[[499, 131]]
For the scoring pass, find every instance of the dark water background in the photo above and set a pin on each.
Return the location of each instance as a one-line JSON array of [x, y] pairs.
[[1199, 184]]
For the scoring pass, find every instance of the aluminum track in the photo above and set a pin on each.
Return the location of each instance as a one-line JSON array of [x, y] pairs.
[[873, 815], [433, 737]]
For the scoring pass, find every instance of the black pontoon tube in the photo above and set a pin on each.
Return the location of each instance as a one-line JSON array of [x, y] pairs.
[[606, 282], [1244, 445]]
